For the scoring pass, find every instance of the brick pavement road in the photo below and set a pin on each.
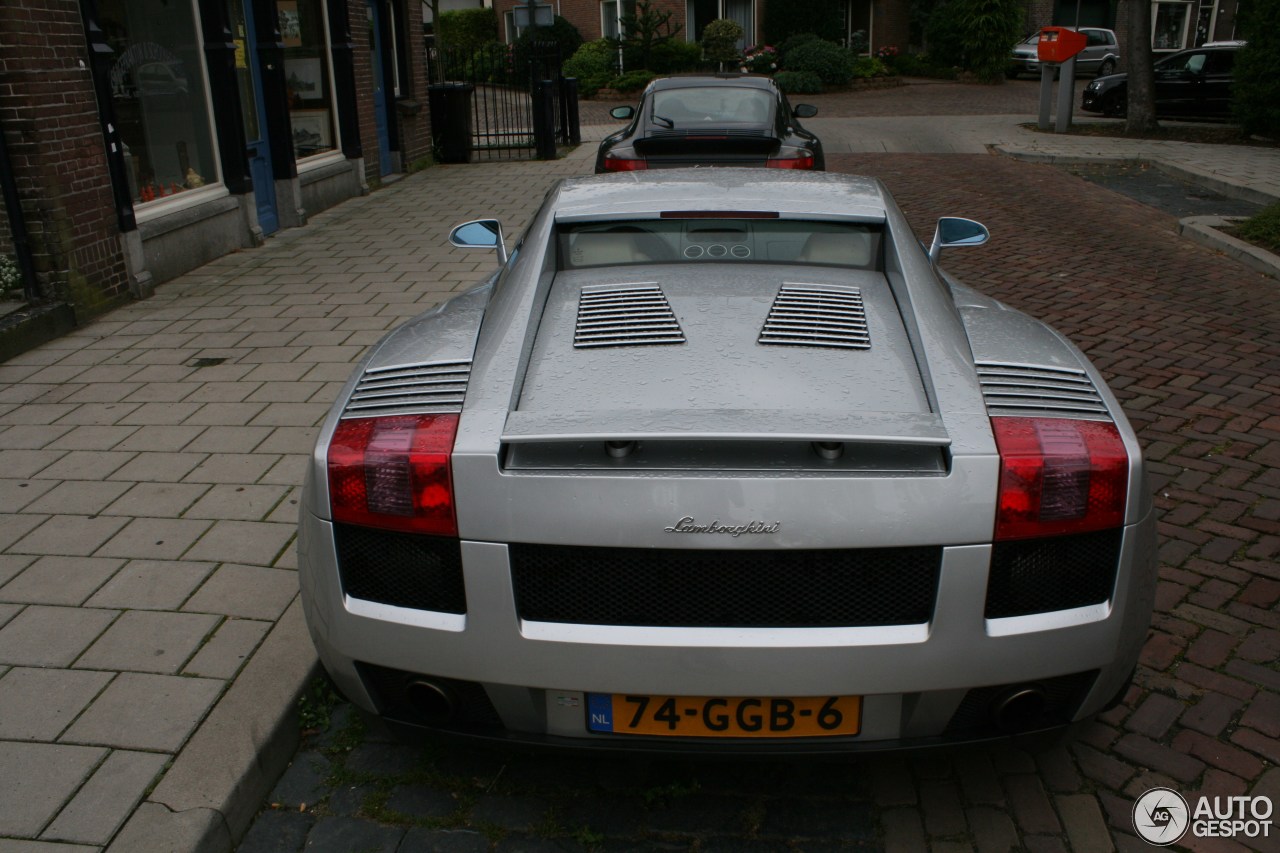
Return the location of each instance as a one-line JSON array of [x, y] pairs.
[[1191, 343]]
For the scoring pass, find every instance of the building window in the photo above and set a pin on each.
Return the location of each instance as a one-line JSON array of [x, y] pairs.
[[1169, 25], [160, 95], [304, 30], [609, 16], [699, 13]]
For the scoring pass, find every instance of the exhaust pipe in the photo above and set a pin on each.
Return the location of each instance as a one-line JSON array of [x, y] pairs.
[[1019, 710], [434, 702]]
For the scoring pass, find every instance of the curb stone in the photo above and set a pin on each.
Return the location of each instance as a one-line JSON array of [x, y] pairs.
[[1204, 230]]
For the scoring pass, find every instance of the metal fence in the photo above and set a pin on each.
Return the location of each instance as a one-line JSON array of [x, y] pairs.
[[520, 105]]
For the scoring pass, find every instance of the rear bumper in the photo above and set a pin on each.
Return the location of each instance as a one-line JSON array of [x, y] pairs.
[[917, 680]]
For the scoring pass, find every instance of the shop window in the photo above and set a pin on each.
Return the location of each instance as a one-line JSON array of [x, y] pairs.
[[160, 95], [304, 31]]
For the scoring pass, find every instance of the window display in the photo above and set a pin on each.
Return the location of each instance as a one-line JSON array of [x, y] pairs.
[[1169, 26], [304, 29], [160, 95]]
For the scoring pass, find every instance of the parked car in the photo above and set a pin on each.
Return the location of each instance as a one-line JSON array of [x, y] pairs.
[[1193, 83], [1100, 56], [725, 120], [720, 459]]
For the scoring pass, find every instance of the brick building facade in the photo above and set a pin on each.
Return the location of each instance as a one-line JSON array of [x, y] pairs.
[[886, 22], [146, 137]]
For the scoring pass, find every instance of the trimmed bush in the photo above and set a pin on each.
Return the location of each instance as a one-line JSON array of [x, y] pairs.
[[798, 82], [467, 29], [674, 57], [720, 40], [594, 64], [865, 67], [921, 65], [796, 41], [1257, 69], [632, 81], [830, 62]]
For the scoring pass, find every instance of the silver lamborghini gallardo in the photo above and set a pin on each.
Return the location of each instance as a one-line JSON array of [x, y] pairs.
[[721, 460]]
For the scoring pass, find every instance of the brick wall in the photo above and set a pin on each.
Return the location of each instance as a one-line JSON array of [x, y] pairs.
[[890, 24], [49, 116], [415, 130], [358, 18]]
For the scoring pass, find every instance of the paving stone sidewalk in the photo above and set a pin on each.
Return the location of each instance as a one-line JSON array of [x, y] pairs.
[[150, 638]]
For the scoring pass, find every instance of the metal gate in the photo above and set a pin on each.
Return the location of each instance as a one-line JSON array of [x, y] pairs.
[[521, 107]]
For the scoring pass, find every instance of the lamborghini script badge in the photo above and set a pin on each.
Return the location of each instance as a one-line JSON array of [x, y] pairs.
[[689, 525]]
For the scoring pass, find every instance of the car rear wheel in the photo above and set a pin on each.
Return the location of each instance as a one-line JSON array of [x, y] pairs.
[[1107, 67]]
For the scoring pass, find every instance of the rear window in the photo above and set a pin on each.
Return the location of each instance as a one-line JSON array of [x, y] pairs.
[[717, 104], [703, 240]]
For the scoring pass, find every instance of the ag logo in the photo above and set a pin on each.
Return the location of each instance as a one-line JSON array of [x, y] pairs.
[[1161, 816]]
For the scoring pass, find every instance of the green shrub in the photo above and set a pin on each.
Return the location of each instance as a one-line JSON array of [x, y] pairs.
[[632, 81], [674, 57], [1262, 229], [832, 64], [594, 64], [563, 33], [720, 40], [798, 82], [976, 35], [10, 278], [865, 67], [1257, 69], [783, 19], [467, 29], [795, 41], [921, 65]]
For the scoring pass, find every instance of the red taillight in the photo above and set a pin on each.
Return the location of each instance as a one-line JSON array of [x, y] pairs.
[[803, 161], [1059, 476], [614, 163], [394, 473]]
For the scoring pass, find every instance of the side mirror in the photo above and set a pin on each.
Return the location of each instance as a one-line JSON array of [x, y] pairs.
[[954, 231], [804, 111], [622, 113], [480, 234]]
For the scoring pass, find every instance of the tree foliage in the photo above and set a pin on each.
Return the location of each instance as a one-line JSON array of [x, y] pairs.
[[467, 29], [784, 18], [975, 35], [1257, 69], [720, 40], [646, 30]]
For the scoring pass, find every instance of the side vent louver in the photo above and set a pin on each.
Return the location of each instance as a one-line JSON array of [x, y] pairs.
[[817, 315], [407, 390], [1020, 389], [625, 315]]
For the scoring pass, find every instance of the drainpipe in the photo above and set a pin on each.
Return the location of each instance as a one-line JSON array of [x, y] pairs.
[[17, 224]]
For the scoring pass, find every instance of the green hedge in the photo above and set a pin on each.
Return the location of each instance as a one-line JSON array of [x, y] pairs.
[[595, 64], [1257, 69], [632, 81], [467, 29], [829, 62], [798, 82]]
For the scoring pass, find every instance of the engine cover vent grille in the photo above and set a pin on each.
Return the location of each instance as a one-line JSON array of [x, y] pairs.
[[422, 388], [817, 315], [625, 315], [1020, 389]]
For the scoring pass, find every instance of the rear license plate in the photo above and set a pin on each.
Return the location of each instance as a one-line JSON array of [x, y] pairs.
[[724, 716]]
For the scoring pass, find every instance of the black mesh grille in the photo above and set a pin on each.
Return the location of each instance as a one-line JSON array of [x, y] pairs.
[[725, 589], [1057, 573], [1062, 697], [389, 689], [402, 569]]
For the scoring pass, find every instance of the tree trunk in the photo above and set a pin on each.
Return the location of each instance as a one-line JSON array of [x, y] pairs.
[[1141, 116]]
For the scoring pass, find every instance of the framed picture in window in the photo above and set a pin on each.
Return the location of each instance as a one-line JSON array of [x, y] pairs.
[[312, 131], [304, 77], [290, 23]]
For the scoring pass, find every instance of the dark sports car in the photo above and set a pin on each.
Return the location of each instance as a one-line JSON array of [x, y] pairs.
[[1189, 84], [725, 120]]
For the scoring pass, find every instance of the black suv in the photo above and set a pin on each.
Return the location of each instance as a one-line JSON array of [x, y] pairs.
[[1192, 83]]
